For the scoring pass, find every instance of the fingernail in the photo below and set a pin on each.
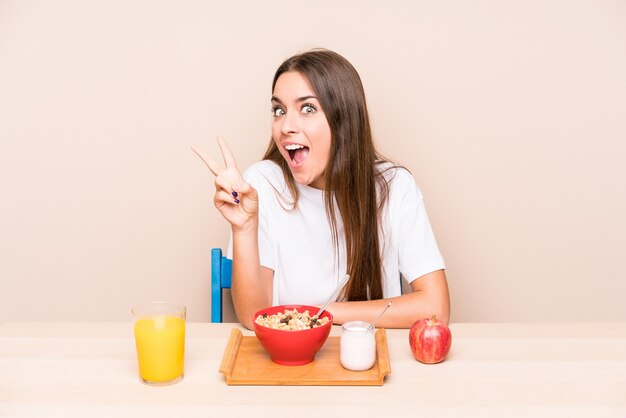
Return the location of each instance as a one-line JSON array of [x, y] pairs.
[[236, 200], [234, 194]]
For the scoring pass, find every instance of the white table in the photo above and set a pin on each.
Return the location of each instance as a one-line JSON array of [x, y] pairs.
[[500, 370]]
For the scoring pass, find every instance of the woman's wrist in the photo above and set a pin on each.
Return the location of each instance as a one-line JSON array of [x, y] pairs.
[[248, 228]]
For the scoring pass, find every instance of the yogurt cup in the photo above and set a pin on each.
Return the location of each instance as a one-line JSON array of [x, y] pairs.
[[357, 350]]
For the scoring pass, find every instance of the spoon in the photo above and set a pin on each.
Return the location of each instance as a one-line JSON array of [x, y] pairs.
[[340, 286], [378, 317]]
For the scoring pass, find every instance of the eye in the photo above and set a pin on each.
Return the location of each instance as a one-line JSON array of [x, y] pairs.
[[278, 111], [308, 109]]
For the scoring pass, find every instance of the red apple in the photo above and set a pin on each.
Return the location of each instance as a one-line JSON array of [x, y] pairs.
[[430, 340]]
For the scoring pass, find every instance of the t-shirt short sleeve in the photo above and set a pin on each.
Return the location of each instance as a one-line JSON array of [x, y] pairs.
[[418, 253]]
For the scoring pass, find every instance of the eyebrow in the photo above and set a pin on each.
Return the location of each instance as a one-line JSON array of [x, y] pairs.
[[299, 99]]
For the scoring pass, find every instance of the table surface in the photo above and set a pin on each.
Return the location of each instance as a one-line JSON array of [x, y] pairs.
[[50, 369]]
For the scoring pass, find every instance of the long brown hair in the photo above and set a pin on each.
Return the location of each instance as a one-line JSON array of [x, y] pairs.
[[351, 176]]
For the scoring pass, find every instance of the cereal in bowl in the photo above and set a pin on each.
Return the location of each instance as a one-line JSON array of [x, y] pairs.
[[290, 320]]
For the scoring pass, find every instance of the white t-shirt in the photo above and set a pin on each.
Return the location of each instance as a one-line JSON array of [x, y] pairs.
[[297, 244]]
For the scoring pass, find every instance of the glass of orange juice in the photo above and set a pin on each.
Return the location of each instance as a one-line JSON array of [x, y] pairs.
[[160, 340]]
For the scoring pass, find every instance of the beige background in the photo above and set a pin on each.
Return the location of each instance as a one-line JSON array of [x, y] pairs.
[[511, 116]]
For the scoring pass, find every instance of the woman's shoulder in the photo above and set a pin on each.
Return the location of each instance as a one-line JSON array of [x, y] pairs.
[[264, 170], [266, 176], [394, 173], [398, 178]]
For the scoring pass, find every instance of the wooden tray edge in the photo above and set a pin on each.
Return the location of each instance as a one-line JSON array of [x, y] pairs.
[[230, 354], [382, 354]]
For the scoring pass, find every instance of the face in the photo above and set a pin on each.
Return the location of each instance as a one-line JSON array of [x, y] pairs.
[[300, 129]]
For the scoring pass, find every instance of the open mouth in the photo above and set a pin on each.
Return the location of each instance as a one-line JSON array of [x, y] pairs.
[[297, 153]]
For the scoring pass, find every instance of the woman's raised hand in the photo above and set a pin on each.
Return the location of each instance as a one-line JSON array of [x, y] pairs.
[[236, 200]]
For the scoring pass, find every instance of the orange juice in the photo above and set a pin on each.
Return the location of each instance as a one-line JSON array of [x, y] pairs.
[[160, 348]]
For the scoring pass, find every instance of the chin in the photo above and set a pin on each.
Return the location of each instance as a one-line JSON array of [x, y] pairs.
[[304, 180]]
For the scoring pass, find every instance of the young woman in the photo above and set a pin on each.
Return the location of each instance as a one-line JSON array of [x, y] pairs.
[[323, 203]]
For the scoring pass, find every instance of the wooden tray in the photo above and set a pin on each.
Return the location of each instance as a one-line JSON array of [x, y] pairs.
[[246, 362]]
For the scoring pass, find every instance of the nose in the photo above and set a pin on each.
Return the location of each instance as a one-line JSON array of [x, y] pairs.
[[290, 124]]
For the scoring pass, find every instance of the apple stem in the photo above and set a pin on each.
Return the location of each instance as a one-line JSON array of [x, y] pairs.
[[434, 318]]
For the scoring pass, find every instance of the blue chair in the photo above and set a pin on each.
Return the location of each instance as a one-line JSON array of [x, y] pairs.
[[221, 278]]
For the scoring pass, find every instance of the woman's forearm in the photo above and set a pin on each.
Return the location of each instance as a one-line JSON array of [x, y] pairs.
[[429, 297], [404, 311], [250, 289]]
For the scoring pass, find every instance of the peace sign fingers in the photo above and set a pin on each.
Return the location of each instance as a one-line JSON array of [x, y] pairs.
[[229, 160], [210, 162], [234, 198], [227, 155]]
